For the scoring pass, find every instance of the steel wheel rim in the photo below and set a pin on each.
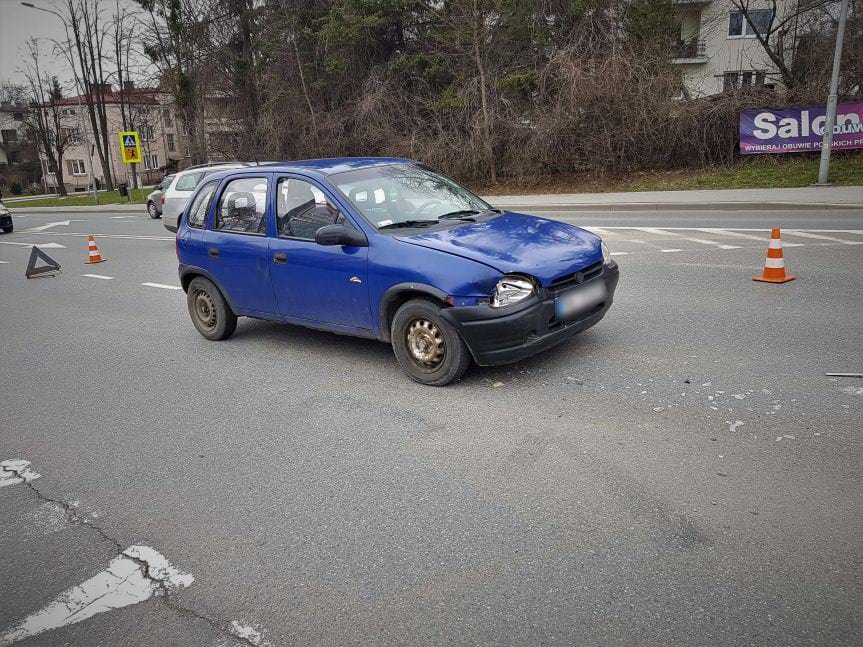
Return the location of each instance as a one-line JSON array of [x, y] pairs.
[[425, 344], [152, 209], [205, 310]]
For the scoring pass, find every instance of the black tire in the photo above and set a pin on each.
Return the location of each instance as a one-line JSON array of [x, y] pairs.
[[210, 313], [153, 211], [8, 230], [427, 347]]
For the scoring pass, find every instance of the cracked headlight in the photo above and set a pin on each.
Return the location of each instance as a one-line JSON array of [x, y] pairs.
[[606, 255], [510, 290]]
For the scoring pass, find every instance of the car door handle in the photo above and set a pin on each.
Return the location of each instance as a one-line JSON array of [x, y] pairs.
[[213, 252], [280, 257]]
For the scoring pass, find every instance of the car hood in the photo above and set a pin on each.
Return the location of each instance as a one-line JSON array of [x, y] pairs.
[[517, 243]]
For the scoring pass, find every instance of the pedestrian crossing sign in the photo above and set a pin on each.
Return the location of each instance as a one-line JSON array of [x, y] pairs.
[[130, 147]]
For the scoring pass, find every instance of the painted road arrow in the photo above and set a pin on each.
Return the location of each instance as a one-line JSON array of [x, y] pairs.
[[135, 575], [64, 223], [40, 245]]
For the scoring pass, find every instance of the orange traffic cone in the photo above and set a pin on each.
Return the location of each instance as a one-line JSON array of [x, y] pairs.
[[94, 255], [774, 267]]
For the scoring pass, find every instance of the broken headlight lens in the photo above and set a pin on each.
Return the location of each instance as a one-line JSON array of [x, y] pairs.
[[510, 290]]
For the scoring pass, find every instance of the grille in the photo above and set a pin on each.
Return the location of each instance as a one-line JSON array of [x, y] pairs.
[[575, 278]]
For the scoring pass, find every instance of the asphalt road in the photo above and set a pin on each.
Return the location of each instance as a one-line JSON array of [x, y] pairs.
[[682, 474]]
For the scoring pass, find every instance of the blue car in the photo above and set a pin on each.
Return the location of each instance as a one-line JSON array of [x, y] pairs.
[[388, 249]]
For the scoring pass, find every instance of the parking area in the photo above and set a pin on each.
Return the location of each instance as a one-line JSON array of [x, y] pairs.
[[682, 473]]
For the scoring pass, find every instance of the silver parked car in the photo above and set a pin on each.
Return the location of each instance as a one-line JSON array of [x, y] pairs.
[[154, 200], [177, 193]]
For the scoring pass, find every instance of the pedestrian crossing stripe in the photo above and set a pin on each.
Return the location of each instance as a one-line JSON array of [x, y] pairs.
[[130, 147]]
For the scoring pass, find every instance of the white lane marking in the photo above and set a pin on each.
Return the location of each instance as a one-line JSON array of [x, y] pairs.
[[123, 236], [16, 471], [668, 251], [829, 231], [620, 253], [122, 217], [39, 245], [737, 234], [599, 231], [712, 243], [64, 223], [122, 584], [98, 276], [163, 286], [3, 262], [804, 234], [655, 231]]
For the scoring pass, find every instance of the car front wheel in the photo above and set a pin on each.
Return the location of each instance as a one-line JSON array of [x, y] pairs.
[[427, 347], [153, 211], [211, 314]]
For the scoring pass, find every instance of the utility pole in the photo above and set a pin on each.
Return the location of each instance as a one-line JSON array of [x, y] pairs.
[[827, 141]]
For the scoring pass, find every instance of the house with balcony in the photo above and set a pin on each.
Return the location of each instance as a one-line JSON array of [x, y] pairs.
[[717, 49]]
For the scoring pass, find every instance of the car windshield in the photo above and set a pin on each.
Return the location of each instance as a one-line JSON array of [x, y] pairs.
[[407, 195]]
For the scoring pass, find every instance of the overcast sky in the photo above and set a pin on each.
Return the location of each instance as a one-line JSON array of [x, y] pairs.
[[18, 23]]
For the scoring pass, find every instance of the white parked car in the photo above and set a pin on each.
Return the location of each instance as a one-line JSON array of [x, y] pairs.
[[177, 193]]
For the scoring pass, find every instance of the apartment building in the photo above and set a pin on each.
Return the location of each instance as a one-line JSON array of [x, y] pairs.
[[718, 50], [151, 111], [18, 160]]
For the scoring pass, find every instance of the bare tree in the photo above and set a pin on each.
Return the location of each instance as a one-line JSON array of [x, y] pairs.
[[43, 120], [780, 32]]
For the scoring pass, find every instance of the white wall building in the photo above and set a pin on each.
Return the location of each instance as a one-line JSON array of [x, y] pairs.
[[718, 49]]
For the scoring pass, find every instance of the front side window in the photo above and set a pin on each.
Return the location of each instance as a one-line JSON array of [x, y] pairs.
[[201, 204], [243, 205], [302, 209], [738, 25], [189, 181], [398, 193]]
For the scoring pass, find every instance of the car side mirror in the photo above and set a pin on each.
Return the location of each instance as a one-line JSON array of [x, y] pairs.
[[340, 235]]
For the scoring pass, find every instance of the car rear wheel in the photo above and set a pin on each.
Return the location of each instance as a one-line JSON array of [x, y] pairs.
[[8, 230], [211, 314], [153, 211], [427, 347]]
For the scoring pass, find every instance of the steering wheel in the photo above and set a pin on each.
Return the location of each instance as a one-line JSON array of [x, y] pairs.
[[426, 205]]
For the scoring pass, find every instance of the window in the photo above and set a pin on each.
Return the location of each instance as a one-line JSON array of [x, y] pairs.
[[738, 26], [302, 209], [76, 167], [18, 116], [242, 206], [67, 111], [72, 135], [166, 118], [169, 137], [388, 195], [147, 133], [198, 211], [9, 136], [151, 161], [189, 181]]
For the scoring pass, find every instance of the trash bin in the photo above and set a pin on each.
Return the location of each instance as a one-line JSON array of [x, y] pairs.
[[123, 190]]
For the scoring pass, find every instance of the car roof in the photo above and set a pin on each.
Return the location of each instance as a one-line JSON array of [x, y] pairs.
[[319, 167]]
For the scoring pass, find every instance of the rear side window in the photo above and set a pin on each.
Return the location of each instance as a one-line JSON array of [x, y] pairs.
[[243, 205], [200, 206], [188, 182]]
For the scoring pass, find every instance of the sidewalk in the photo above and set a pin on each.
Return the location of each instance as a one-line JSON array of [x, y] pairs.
[[839, 197]]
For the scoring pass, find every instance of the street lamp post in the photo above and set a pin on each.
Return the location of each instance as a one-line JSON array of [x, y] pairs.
[[827, 141]]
